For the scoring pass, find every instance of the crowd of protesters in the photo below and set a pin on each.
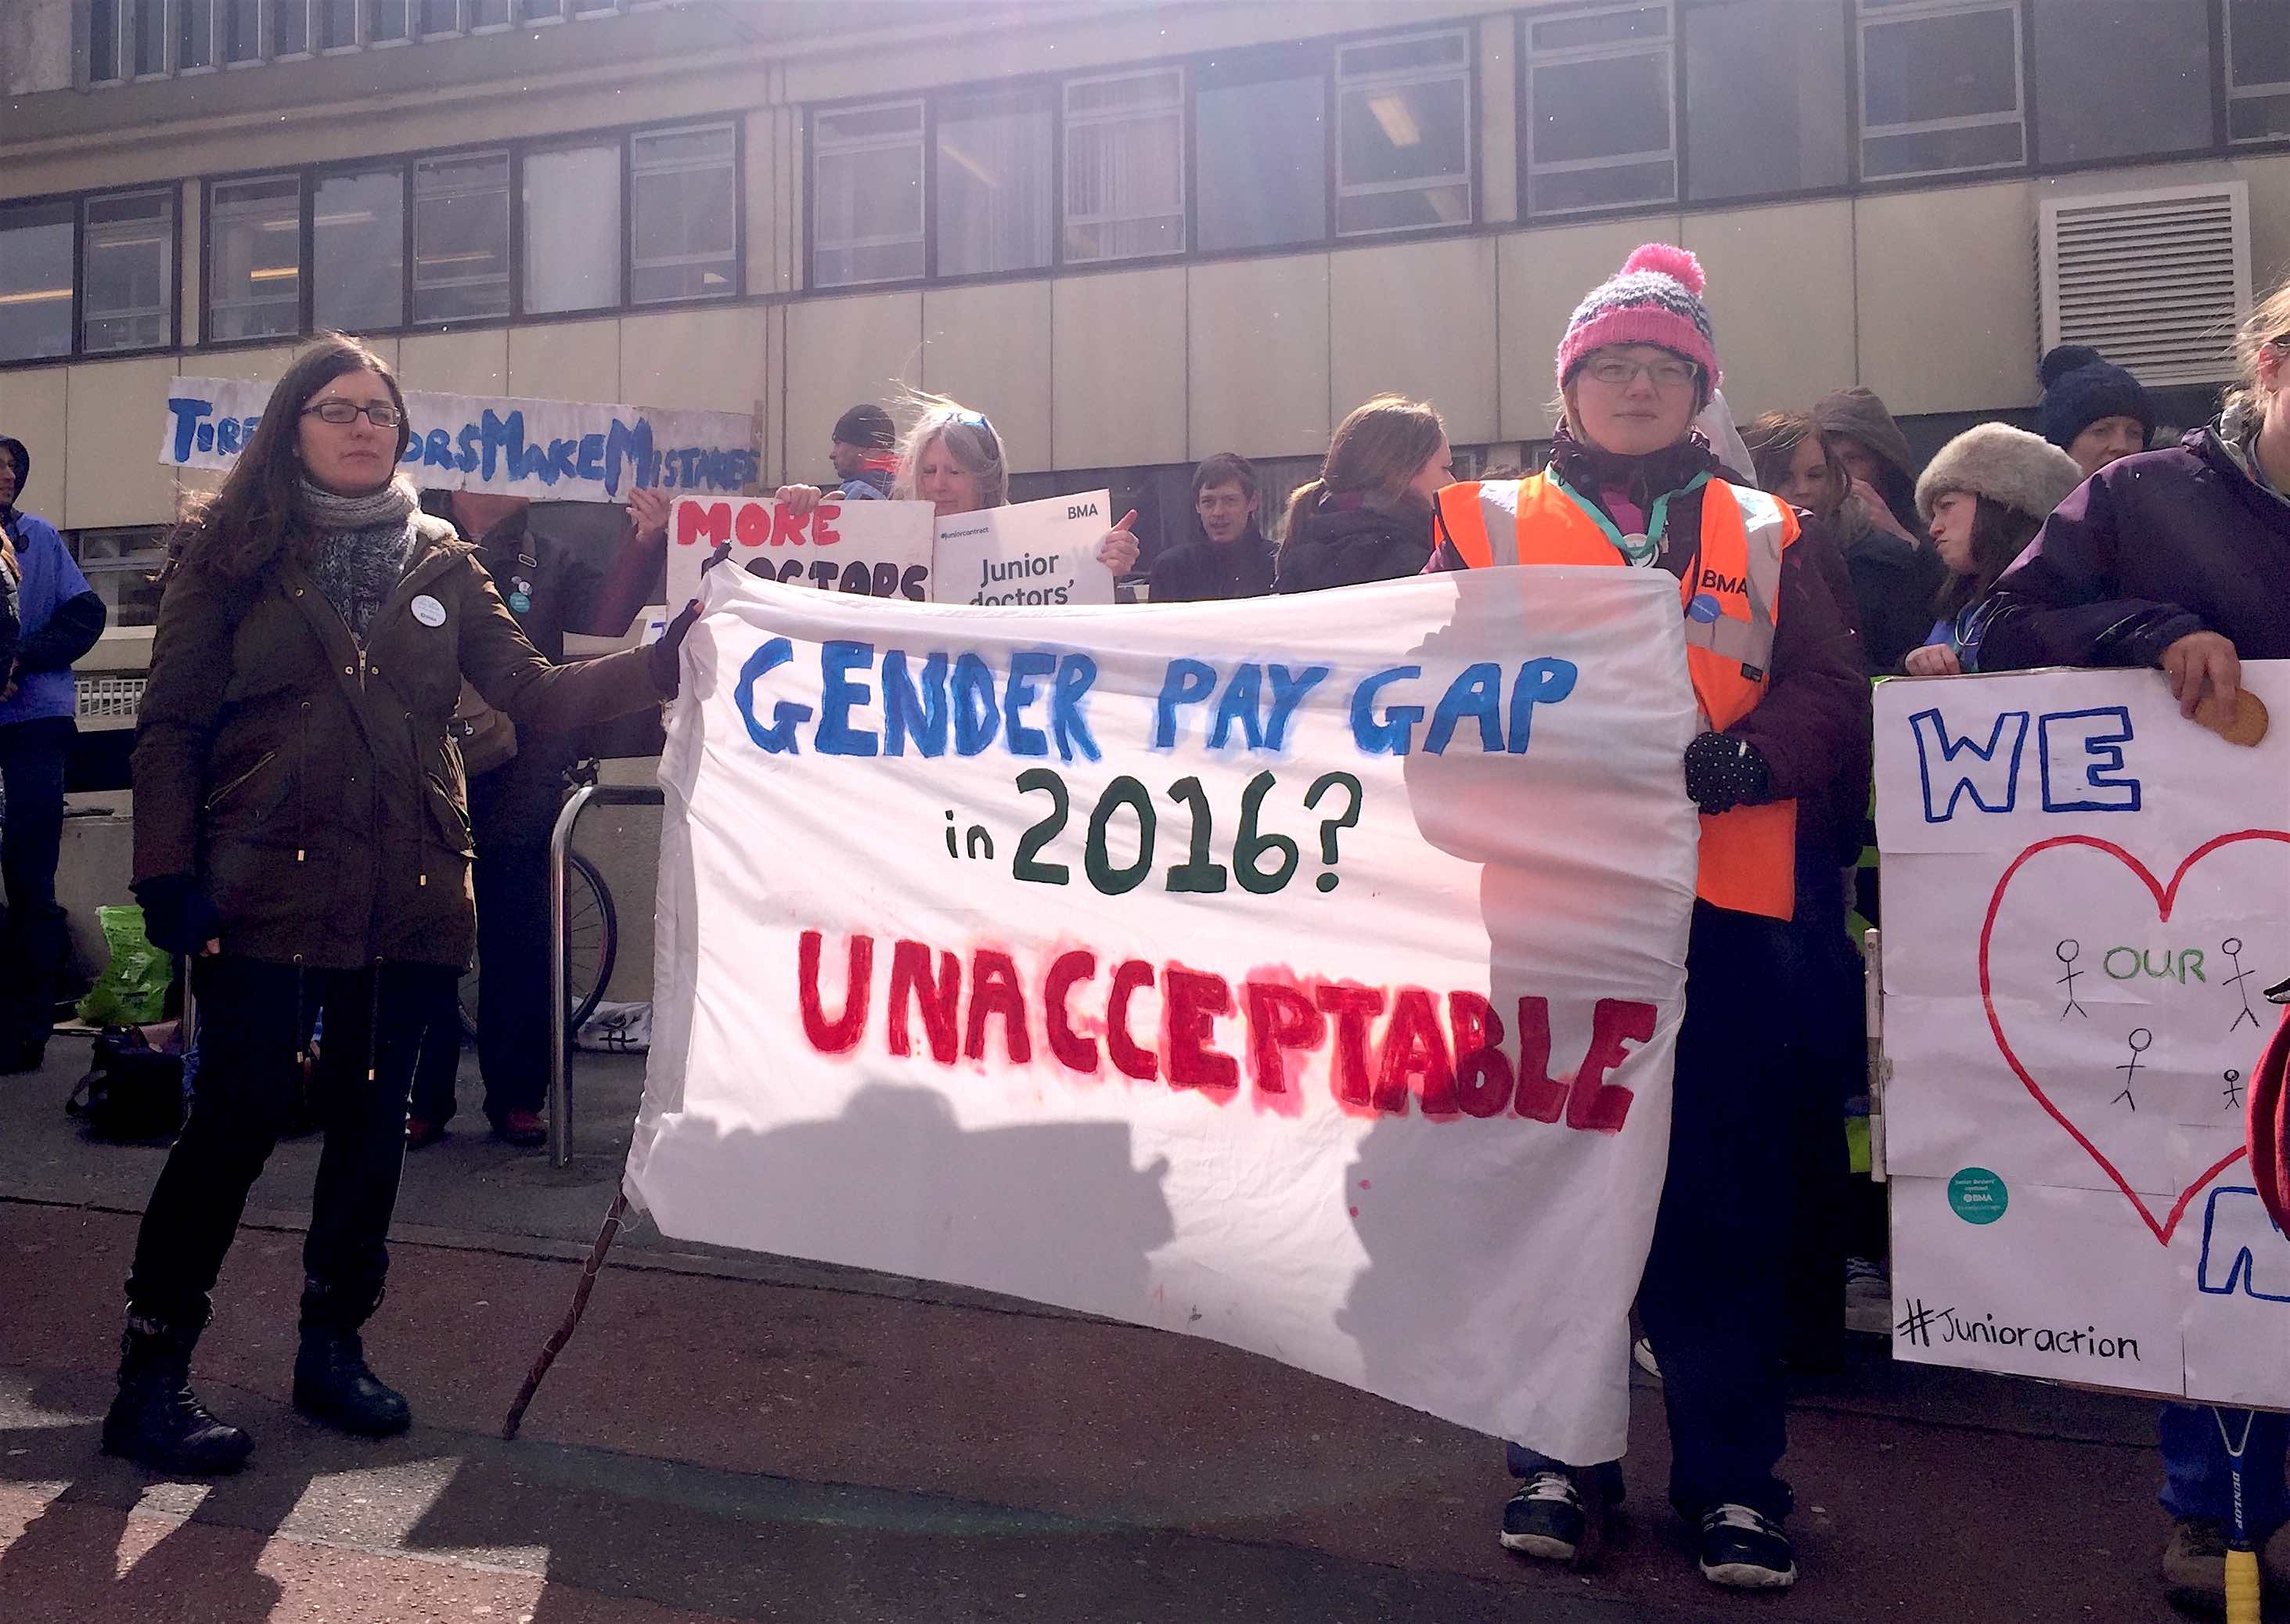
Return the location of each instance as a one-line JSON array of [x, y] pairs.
[[312, 782]]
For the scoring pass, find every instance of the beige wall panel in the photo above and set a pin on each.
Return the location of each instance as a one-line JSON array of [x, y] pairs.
[[32, 409], [1544, 275], [565, 361], [472, 362], [113, 415], [988, 346], [1784, 320], [2269, 179], [1944, 329], [1418, 318], [1260, 357], [840, 352], [1499, 119], [265, 365], [700, 360], [1119, 373]]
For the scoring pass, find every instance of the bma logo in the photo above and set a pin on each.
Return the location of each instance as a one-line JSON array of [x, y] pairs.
[[1081, 510], [1712, 581]]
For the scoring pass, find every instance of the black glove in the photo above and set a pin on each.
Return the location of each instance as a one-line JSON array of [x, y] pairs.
[[178, 914], [661, 657], [1722, 773]]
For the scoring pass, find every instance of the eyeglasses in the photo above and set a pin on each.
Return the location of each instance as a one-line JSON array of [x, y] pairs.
[[1614, 371], [382, 414]]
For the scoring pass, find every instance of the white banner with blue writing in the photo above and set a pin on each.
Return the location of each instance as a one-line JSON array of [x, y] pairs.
[[2085, 894], [1309, 981], [549, 450]]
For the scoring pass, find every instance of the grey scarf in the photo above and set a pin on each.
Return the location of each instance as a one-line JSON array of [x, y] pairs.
[[362, 545]]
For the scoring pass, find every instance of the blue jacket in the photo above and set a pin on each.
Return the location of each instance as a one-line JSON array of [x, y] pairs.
[[61, 616], [2144, 552]]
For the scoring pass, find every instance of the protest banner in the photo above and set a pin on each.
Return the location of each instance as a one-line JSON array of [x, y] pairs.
[[2085, 895], [882, 549], [1309, 983], [1027, 553], [549, 450]]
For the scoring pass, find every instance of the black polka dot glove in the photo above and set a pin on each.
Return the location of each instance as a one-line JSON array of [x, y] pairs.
[[1722, 773]]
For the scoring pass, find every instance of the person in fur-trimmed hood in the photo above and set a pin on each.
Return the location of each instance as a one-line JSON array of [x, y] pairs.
[[1983, 498]]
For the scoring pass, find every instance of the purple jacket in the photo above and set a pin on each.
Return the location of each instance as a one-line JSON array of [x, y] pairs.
[[2143, 552]]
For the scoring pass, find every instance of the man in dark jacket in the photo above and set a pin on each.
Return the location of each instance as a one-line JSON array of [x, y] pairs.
[[551, 587], [62, 617], [1235, 560], [864, 450]]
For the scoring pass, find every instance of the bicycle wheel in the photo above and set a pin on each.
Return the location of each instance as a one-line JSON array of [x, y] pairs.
[[591, 944]]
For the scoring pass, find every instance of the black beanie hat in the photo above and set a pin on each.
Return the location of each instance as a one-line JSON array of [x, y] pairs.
[[2081, 386], [868, 427]]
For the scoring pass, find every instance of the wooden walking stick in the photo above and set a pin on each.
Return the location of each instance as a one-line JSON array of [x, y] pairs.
[[572, 1320]]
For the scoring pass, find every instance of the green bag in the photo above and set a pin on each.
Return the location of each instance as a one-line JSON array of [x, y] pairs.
[[132, 989]]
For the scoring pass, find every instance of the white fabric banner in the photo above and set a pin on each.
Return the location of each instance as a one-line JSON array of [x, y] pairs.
[[549, 449], [879, 548], [1027, 553], [1309, 980], [2084, 895]]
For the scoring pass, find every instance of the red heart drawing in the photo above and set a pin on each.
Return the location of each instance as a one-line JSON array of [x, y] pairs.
[[2165, 896]]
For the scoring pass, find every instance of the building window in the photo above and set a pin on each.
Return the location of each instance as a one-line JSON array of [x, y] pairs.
[[335, 22], [36, 281], [103, 41], [1262, 134], [1740, 146], [119, 565], [460, 236], [195, 42], [488, 15], [150, 38], [290, 27], [867, 194], [439, 16], [2257, 70], [571, 229], [2118, 79], [385, 20], [540, 11], [1403, 133], [129, 294], [242, 30], [994, 186], [254, 259], [357, 251], [687, 229], [1125, 191], [1601, 130], [1940, 87]]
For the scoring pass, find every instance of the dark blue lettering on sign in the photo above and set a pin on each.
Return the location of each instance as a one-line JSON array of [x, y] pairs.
[[2080, 762]]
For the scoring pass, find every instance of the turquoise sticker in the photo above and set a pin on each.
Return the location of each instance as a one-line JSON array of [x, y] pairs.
[[1978, 1196], [519, 602]]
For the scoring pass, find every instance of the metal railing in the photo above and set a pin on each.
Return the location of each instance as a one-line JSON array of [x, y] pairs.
[[560, 1040]]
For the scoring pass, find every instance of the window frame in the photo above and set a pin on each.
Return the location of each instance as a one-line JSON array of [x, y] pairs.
[[618, 137], [1062, 129], [1336, 83], [1672, 39], [925, 144], [2225, 91], [78, 202], [2023, 111]]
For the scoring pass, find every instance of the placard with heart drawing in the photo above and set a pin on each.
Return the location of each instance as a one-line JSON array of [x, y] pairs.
[[2085, 896]]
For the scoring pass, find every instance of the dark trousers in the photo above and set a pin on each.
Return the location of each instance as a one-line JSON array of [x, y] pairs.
[[32, 941], [512, 891], [252, 1017]]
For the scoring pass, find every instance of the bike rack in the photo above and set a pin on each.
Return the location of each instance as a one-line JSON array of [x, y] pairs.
[[560, 1041]]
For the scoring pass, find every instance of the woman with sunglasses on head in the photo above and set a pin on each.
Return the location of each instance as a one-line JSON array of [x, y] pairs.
[[1775, 671], [302, 835], [951, 458]]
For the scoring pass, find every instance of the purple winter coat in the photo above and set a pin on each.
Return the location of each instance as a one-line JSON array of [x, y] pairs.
[[2142, 552]]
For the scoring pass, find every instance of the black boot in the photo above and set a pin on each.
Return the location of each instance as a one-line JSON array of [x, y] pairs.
[[157, 1420], [332, 1384]]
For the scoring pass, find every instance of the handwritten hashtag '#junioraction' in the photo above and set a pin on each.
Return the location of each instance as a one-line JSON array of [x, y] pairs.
[[1915, 1325]]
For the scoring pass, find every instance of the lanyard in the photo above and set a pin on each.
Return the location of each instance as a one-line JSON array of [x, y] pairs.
[[1636, 549]]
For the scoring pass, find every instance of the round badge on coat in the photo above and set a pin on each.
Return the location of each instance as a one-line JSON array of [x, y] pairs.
[[1704, 608], [429, 610], [520, 602]]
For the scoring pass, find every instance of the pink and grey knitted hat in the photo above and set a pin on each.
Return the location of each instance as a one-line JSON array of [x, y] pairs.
[[1655, 299]]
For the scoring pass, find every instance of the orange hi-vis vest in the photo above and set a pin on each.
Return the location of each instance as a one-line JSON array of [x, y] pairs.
[[1731, 598]]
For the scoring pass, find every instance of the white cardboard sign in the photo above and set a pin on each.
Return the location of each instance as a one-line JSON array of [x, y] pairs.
[[1194, 967], [1029, 554], [878, 549], [2084, 895]]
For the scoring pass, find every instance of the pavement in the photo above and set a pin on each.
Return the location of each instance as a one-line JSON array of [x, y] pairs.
[[738, 1437]]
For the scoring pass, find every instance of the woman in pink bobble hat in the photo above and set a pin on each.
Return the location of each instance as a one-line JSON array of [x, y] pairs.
[[1631, 485]]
